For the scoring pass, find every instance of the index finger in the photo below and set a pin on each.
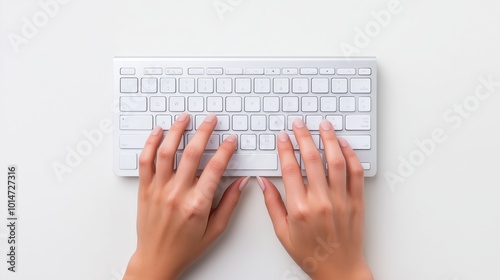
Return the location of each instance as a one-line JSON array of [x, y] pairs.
[[290, 170]]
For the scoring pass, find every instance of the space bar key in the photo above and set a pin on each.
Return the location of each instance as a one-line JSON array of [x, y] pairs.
[[247, 161]]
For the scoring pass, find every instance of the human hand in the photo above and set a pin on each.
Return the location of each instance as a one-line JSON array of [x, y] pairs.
[[322, 224], [175, 219]]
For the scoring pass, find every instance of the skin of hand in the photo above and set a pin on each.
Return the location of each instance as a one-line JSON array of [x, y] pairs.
[[175, 219], [321, 223]]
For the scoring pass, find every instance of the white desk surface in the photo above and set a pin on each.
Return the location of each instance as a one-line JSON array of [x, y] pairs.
[[442, 222]]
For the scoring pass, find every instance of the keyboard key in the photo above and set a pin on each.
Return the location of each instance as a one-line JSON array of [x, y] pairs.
[[347, 104], [291, 118], [328, 104], [165, 121], [240, 122], [213, 142], [281, 85], [358, 142], [295, 144], [273, 71], [312, 122], [149, 85], [167, 85], [276, 122], [346, 71], [243, 85], [176, 104], [224, 85], [267, 142], [243, 161], [153, 71], [222, 123], [205, 85], [136, 122], [198, 120], [158, 104], [195, 104], [233, 104], [309, 104], [186, 85], [290, 104], [252, 104], [339, 85], [357, 122], [254, 71], [336, 121], [214, 104], [271, 104], [190, 124], [364, 104], [300, 85], [196, 71], [133, 141], [128, 161], [128, 85], [361, 86], [290, 71], [248, 142], [327, 71], [214, 71], [127, 71], [234, 71], [364, 71], [319, 85], [173, 71], [366, 165], [308, 71], [262, 85], [258, 122], [133, 104], [315, 138]]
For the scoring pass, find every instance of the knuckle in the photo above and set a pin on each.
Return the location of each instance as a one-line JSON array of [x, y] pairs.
[[356, 170], [165, 153], [145, 159], [288, 169], [336, 163], [324, 210], [191, 153], [312, 156], [300, 212]]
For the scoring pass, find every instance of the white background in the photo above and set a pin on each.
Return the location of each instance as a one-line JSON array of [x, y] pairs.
[[441, 222]]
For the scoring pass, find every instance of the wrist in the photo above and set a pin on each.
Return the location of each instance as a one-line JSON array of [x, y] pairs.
[[140, 269]]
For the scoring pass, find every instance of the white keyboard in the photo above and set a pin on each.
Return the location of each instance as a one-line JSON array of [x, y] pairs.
[[253, 97]]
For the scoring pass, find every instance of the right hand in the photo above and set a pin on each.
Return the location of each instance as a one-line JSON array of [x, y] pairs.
[[321, 223]]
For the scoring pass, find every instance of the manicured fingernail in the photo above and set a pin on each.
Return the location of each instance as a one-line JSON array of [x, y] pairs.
[[182, 117], [326, 125], [261, 183], [231, 138], [283, 136], [156, 130], [210, 118], [298, 123], [343, 143], [243, 183]]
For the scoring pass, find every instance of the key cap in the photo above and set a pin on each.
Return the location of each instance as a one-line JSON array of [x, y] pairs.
[[254, 71], [290, 71], [205, 85], [222, 123], [262, 85], [347, 104], [294, 142], [173, 71], [243, 85], [213, 142], [214, 104], [248, 142], [327, 71], [336, 121], [233, 104], [357, 122], [214, 71], [319, 85], [133, 104], [195, 104], [133, 141], [240, 122], [186, 85], [157, 104], [366, 165], [300, 85], [165, 121], [290, 104], [271, 104], [328, 104], [315, 138], [346, 71], [198, 120], [167, 85], [176, 104], [364, 104], [267, 142], [243, 161], [309, 104], [252, 104], [128, 161], [224, 85], [273, 71], [234, 71], [312, 122], [136, 122], [364, 71], [281, 85], [196, 71], [308, 71], [127, 71], [361, 86], [149, 85], [358, 142], [339, 85], [128, 85], [258, 122], [276, 122], [291, 118], [153, 71]]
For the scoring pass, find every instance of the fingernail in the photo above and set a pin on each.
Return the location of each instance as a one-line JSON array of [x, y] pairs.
[[343, 143], [210, 118], [156, 130], [231, 138], [298, 123], [243, 183], [182, 117], [283, 136], [326, 125], [261, 183]]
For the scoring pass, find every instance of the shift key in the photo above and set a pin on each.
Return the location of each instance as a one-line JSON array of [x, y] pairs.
[[136, 122]]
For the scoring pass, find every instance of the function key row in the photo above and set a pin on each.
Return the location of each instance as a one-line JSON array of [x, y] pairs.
[[248, 71]]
